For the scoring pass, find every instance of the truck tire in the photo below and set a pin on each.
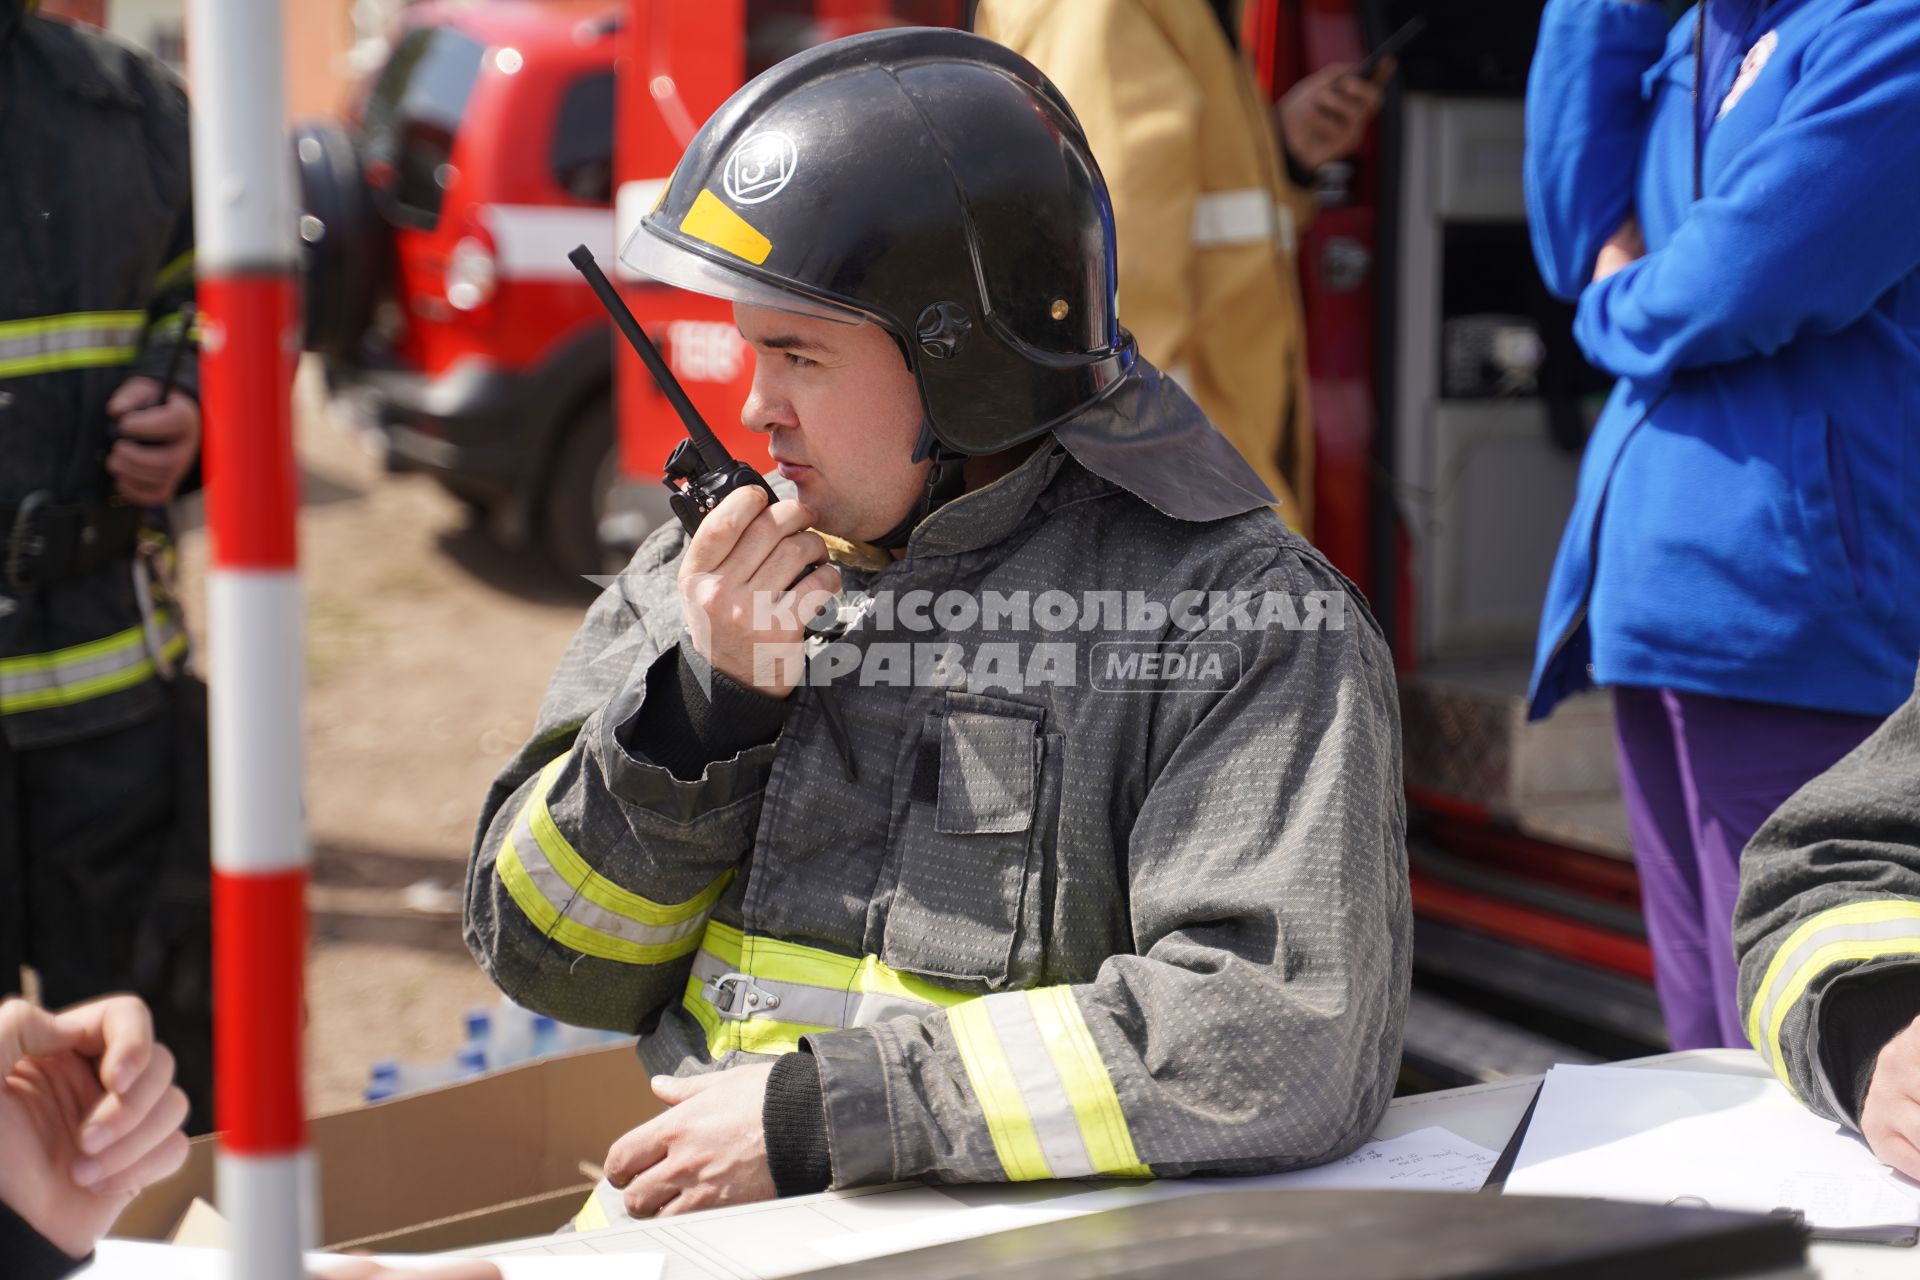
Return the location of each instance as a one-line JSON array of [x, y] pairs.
[[583, 474], [345, 247]]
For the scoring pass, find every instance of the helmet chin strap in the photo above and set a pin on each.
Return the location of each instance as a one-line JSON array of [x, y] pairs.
[[946, 480]]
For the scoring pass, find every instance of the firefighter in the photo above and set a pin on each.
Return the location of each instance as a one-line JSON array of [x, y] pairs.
[[1003, 907], [102, 826], [1730, 200], [1828, 936], [1209, 209]]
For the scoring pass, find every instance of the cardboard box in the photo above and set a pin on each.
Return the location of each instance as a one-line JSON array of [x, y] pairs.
[[497, 1158]]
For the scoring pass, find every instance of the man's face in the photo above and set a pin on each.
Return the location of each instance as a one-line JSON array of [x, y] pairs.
[[841, 413]]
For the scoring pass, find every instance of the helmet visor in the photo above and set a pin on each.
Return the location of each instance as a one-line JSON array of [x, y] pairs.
[[653, 257]]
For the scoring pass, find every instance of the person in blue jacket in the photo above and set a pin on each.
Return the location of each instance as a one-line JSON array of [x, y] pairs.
[[1740, 566]]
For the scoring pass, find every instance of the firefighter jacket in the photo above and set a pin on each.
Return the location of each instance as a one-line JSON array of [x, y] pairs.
[[1827, 926], [1069, 920], [1206, 217], [96, 262]]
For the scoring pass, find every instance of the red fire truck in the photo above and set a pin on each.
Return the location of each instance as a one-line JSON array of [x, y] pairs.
[[1448, 402]]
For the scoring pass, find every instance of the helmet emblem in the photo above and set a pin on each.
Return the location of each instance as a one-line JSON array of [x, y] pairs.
[[760, 166], [943, 329]]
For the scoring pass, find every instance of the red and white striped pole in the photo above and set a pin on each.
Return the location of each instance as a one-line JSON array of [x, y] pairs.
[[244, 231]]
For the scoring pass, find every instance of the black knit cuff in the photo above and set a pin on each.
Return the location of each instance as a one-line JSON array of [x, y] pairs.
[[796, 1125], [683, 729], [1859, 1013], [31, 1256]]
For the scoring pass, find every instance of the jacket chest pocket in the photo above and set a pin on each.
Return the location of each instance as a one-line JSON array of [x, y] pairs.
[[970, 843]]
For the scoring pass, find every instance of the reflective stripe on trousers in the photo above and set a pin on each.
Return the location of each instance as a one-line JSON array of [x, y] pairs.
[[78, 340], [571, 902], [35, 681], [1044, 1092], [1858, 931]]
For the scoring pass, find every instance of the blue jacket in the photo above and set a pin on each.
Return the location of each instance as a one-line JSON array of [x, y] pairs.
[[1748, 511]]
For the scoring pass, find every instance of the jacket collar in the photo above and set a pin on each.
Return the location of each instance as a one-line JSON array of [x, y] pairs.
[[990, 513]]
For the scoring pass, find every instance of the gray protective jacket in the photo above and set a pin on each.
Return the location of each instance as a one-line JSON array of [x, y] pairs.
[[1055, 929], [1828, 923]]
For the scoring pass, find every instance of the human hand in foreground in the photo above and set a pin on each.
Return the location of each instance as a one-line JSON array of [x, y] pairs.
[[1890, 1117], [157, 444], [89, 1115], [707, 1149], [1325, 116], [1623, 248], [745, 612]]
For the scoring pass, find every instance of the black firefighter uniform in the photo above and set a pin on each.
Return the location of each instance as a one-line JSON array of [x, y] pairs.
[[96, 264]]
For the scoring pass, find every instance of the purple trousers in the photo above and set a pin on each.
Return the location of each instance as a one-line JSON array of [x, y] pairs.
[[1699, 775]]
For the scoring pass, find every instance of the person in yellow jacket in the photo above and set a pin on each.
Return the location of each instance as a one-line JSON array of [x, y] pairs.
[[1207, 207]]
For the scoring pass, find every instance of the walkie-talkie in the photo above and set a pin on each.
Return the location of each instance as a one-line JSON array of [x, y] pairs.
[[700, 471]]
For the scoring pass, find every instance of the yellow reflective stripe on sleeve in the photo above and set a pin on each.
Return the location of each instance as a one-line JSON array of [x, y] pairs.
[[1002, 1104], [1858, 931], [567, 900], [1044, 1091], [181, 268], [594, 887], [37, 681], [77, 340], [1103, 1125]]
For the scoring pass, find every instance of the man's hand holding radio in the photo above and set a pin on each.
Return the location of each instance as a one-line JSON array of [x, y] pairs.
[[746, 591]]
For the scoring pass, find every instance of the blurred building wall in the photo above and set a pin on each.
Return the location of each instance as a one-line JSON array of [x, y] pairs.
[[317, 35]]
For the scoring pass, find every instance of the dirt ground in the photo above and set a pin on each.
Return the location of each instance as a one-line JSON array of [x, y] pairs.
[[428, 648]]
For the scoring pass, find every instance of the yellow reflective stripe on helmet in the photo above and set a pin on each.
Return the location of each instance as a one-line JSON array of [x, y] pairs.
[[710, 220], [1858, 931], [80, 339], [37, 681], [567, 900], [1049, 1104]]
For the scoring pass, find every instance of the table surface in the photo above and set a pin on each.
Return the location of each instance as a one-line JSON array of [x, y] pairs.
[[1489, 1113]]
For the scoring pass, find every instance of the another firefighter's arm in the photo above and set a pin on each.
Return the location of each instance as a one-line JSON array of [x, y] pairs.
[[1257, 1025], [1586, 125], [1801, 234], [1827, 928], [596, 866], [1140, 108], [172, 287]]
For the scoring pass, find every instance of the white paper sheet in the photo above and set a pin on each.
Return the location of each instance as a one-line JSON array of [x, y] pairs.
[[782, 1237], [1732, 1142], [140, 1260]]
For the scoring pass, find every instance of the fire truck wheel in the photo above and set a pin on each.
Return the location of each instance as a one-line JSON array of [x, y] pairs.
[[583, 475]]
